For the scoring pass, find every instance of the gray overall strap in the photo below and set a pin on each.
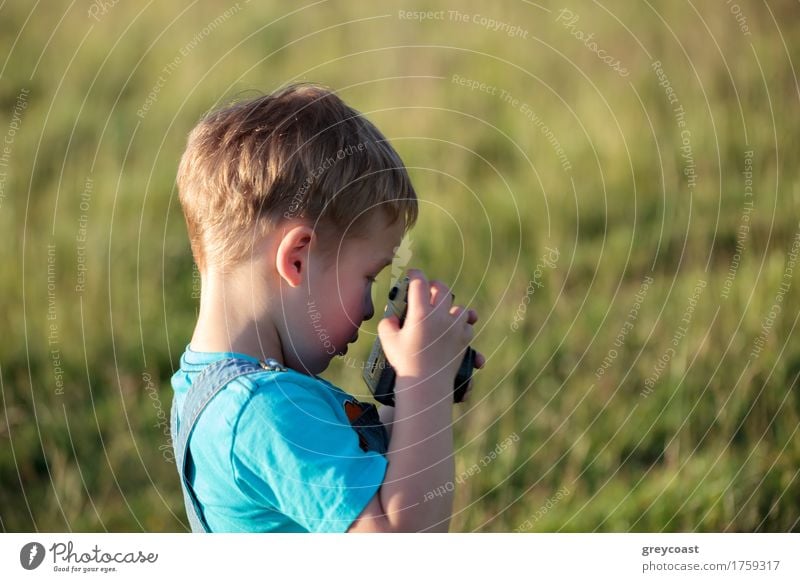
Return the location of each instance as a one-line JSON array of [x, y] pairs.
[[211, 380]]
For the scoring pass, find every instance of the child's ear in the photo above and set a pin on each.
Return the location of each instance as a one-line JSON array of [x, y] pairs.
[[291, 260]]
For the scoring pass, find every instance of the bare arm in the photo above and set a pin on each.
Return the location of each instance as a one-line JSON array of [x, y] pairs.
[[420, 462], [386, 414], [425, 355]]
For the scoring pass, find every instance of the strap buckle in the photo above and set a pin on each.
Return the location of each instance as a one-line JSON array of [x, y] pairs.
[[272, 365]]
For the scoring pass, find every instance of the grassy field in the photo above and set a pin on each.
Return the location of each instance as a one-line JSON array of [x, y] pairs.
[[613, 187]]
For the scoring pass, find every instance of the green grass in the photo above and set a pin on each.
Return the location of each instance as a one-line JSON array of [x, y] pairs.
[[714, 447]]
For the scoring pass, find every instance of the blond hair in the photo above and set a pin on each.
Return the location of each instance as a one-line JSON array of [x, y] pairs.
[[299, 152]]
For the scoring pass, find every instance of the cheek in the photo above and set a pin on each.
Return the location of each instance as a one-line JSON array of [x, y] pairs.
[[358, 304], [346, 311]]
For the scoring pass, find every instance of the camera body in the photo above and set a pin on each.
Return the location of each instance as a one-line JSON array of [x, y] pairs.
[[378, 372]]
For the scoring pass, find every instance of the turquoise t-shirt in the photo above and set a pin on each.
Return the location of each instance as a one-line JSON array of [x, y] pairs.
[[280, 458]]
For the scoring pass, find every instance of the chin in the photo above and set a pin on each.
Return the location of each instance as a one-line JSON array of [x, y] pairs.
[[310, 366], [321, 365], [327, 358], [317, 363]]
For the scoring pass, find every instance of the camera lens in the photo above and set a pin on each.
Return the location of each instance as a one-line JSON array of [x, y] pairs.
[[393, 293]]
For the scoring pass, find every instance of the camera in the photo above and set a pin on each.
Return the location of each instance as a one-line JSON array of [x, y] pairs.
[[378, 372]]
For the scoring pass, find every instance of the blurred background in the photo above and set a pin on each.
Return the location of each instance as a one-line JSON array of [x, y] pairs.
[[613, 186]]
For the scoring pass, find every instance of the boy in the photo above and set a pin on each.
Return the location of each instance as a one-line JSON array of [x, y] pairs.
[[294, 203]]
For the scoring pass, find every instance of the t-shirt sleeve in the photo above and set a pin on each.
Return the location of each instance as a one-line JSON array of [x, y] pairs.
[[291, 451]]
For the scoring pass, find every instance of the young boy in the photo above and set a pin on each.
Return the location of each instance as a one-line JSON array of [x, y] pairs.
[[294, 202]]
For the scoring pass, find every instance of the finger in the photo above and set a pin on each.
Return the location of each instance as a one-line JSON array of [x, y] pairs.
[[457, 311], [440, 293], [480, 360], [461, 323], [463, 316], [473, 316], [389, 325], [469, 331], [418, 295]]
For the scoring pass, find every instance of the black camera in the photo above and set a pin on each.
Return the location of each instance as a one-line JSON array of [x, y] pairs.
[[378, 372]]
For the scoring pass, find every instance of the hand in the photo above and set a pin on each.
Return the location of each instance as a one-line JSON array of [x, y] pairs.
[[434, 336]]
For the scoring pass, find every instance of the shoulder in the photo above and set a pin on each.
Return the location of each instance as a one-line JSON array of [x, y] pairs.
[[271, 385], [289, 417], [288, 399]]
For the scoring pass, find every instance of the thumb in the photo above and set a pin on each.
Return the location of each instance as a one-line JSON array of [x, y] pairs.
[[389, 325]]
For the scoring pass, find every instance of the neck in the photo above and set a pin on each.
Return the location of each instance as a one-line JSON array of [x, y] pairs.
[[235, 317]]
